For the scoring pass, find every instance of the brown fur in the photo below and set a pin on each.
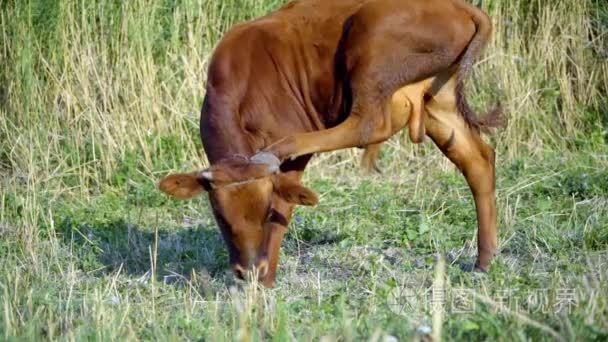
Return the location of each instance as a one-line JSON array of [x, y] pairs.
[[317, 76], [182, 185]]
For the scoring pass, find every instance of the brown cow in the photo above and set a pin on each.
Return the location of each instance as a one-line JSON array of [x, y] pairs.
[[319, 76]]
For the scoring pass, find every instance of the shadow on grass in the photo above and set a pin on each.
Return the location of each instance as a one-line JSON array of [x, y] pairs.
[[105, 248]]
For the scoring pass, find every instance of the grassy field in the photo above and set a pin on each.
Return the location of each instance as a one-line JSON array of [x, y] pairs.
[[99, 99]]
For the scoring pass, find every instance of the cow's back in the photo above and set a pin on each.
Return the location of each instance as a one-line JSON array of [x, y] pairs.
[[275, 76]]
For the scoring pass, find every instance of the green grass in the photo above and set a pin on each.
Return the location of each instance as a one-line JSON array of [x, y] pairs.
[[98, 99], [132, 263]]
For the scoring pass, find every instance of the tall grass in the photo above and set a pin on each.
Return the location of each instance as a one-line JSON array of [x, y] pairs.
[[550, 65], [85, 82]]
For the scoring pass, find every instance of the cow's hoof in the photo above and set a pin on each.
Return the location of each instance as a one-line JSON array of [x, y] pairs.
[[371, 167], [274, 164], [369, 161], [472, 268], [467, 267]]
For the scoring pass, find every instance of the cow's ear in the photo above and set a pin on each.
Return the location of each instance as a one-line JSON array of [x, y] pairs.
[[296, 193], [183, 185]]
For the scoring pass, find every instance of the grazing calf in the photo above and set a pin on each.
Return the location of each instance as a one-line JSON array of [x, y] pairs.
[[318, 76]]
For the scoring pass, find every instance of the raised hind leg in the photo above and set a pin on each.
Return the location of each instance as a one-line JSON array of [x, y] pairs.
[[465, 148]]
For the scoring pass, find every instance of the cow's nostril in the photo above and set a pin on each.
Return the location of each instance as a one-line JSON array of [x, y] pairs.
[[262, 268], [239, 271]]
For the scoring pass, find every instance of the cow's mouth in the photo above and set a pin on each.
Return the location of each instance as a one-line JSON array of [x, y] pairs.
[[258, 272]]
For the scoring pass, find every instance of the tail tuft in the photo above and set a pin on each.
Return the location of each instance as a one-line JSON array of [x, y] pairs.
[[494, 118]]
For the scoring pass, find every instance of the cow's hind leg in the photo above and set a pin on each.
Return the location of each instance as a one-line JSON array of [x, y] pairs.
[[370, 120], [401, 110], [464, 146]]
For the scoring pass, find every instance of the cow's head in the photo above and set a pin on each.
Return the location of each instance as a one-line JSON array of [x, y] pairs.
[[252, 213]]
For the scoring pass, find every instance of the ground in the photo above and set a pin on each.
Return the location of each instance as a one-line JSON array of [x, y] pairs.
[[134, 263]]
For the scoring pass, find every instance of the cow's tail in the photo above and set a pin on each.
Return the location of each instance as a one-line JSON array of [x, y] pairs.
[[493, 118]]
